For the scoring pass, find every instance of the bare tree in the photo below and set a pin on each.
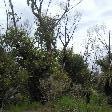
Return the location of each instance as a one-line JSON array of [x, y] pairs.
[[37, 9], [7, 14], [37, 5], [66, 30], [97, 45]]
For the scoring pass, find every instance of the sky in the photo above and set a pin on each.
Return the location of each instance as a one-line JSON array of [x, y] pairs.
[[93, 12]]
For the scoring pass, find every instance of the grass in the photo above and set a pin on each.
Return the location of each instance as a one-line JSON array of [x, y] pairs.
[[24, 107], [64, 104], [69, 104]]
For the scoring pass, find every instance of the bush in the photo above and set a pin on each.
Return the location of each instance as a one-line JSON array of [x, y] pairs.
[[56, 83], [66, 104], [62, 104]]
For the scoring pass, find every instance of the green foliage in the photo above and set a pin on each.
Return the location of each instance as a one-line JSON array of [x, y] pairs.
[[24, 107], [44, 34], [104, 64], [35, 63], [57, 82], [76, 67], [63, 104], [105, 79], [70, 104], [12, 78], [26, 56], [34, 70], [98, 98]]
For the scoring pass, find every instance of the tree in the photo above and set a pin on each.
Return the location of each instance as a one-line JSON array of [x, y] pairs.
[[97, 46], [23, 57], [12, 77], [66, 32], [47, 24], [44, 35], [46, 27], [76, 68], [26, 57], [33, 60], [105, 79]]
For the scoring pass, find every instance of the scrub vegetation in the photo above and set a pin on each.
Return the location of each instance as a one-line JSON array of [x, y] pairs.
[[36, 76]]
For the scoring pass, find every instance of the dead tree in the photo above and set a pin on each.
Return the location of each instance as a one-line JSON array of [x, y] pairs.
[[66, 32], [95, 45]]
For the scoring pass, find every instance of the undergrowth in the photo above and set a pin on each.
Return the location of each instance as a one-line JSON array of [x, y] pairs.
[[64, 104]]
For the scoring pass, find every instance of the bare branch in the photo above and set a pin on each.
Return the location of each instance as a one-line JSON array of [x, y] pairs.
[[40, 7], [6, 14], [73, 31], [48, 7], [61, 40], [67, 10], [12, 8]]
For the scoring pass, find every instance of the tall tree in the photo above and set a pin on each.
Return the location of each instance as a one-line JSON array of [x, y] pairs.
[[46, 25], [43, 19], [66, 31]]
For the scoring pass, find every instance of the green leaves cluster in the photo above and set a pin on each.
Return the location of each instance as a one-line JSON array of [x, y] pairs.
[[76, 67]]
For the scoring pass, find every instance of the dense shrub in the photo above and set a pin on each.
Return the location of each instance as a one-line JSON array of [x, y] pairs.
[[56, 83]]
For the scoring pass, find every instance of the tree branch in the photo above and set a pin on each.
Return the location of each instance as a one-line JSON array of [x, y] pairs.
[[11, 6]]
